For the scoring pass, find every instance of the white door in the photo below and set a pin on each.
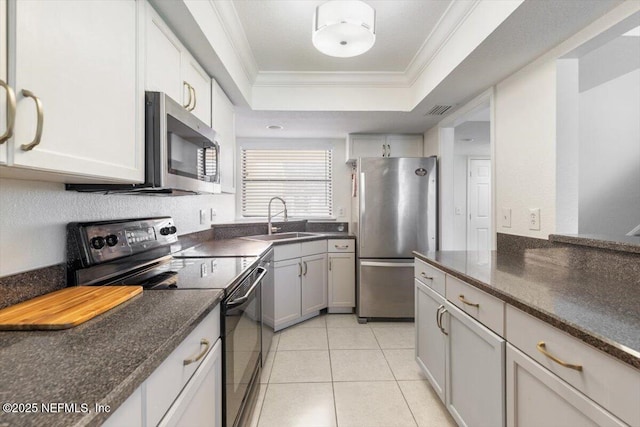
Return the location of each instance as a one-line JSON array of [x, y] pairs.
[[314, 283], [342, 280], [475, 371], [479, 205], [430, 340], [129, 413], [3, 77], [287, 291], [537, 397], [82, 65]]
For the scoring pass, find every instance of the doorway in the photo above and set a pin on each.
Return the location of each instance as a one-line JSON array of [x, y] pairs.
[[466, 186]]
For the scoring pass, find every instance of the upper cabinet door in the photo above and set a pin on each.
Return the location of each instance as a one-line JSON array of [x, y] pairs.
[[3, 78], [163, 59], [198, 83], [223, 115], [404, 145], [77, 79]]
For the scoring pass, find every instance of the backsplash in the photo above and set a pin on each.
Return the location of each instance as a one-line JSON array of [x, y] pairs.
[[617, 265], [24, 286]]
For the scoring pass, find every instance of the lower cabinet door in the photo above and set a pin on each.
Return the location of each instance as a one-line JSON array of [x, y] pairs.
[[200, 402], [287, 291], [537, 397], [430, 340], [128, 414], [342, 280], [314, 283], [475, 369]]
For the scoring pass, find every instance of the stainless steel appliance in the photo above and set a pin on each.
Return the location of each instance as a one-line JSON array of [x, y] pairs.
[[397, 214], [140, 252], [181, 154], [247, 248]]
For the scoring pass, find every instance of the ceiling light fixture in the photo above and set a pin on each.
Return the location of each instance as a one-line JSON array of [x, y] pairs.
[[274, 127], [344, 28]]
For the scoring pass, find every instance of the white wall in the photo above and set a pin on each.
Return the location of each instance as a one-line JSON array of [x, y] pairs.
[[341, 170], [609, 188], [34, 216], [431, 142]]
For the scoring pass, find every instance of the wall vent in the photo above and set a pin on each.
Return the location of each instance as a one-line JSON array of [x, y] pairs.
[[439, 110]]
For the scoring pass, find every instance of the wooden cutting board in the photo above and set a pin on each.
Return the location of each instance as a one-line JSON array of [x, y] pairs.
[[65, 308]]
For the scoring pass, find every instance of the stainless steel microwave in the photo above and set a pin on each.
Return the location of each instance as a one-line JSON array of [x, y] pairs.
[[181, 154]]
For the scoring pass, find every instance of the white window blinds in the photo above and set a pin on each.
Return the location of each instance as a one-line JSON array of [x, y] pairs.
[[303, 178]]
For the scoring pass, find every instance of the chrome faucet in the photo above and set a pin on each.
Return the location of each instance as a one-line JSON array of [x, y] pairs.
[[272, 229]]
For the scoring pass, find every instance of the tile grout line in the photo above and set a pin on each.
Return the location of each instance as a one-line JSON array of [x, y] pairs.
[[333, 388]]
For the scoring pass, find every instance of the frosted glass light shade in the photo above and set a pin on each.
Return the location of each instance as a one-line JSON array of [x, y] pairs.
[[344, 28]]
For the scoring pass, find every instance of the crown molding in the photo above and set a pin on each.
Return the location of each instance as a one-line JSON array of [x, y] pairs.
[[334, 78], [452, 19], [234, 30]]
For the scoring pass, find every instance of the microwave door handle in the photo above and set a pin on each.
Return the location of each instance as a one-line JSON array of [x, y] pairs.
[[238, 301]]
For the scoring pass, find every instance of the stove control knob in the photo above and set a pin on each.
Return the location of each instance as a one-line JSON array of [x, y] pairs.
[[112, 240], [165, 231], [97, 242], [173, 229]]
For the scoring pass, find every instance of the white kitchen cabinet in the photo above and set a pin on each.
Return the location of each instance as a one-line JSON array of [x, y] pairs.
[[223, 117], [341, 281], [200, 402], [537, 397], [5, 118], [300, 282], [77, 75], [475, 371], [171, 69], [165, 384], [380, 145], [287, 291], [129, 413], [430, 341], [314, 283]]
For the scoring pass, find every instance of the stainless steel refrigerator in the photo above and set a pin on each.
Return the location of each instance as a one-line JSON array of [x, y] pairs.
[[397, 214]]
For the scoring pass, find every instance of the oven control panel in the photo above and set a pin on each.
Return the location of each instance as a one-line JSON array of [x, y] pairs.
[[105, 241]]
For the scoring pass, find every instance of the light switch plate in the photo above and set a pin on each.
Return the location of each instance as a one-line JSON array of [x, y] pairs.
[[534, 219], [203, 216], [505, 218]]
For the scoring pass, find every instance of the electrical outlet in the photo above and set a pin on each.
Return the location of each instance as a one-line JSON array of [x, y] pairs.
[[534, 219], [213, 214], [505, 219], [340, 211], [203, 216], [458, 211]]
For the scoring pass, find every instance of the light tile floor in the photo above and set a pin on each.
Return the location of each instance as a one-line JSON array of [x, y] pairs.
[[333, 371]]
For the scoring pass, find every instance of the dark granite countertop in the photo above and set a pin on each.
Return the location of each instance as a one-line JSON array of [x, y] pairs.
[[602, 241], [101, 361], [594, 308]]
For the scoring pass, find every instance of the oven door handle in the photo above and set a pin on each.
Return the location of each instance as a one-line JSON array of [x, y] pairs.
[[238, 301]]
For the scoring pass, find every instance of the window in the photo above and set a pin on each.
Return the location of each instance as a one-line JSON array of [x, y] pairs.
[[303, 178]]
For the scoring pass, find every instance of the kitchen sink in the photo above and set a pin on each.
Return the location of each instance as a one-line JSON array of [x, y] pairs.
[[280, 236]]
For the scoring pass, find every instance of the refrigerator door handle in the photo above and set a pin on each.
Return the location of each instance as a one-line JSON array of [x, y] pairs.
[[361, 234], [387, 264]]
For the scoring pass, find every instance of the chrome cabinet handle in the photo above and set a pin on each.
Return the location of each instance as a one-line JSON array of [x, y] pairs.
[[11, 112], [40, 113], [543, 349], [384, 150], [442, 312], [423, 274], [188, 86], [299, 269], [465, 301], [388, 150], [341, 247], [203, 342], [438, 317], [195, 98], [305, 267]]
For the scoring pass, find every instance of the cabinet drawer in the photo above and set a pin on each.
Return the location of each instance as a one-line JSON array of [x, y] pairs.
[[312, 248], [430, 276], [480, 305], [604, 379], [341, 245], [164, 385], [282, 252]]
